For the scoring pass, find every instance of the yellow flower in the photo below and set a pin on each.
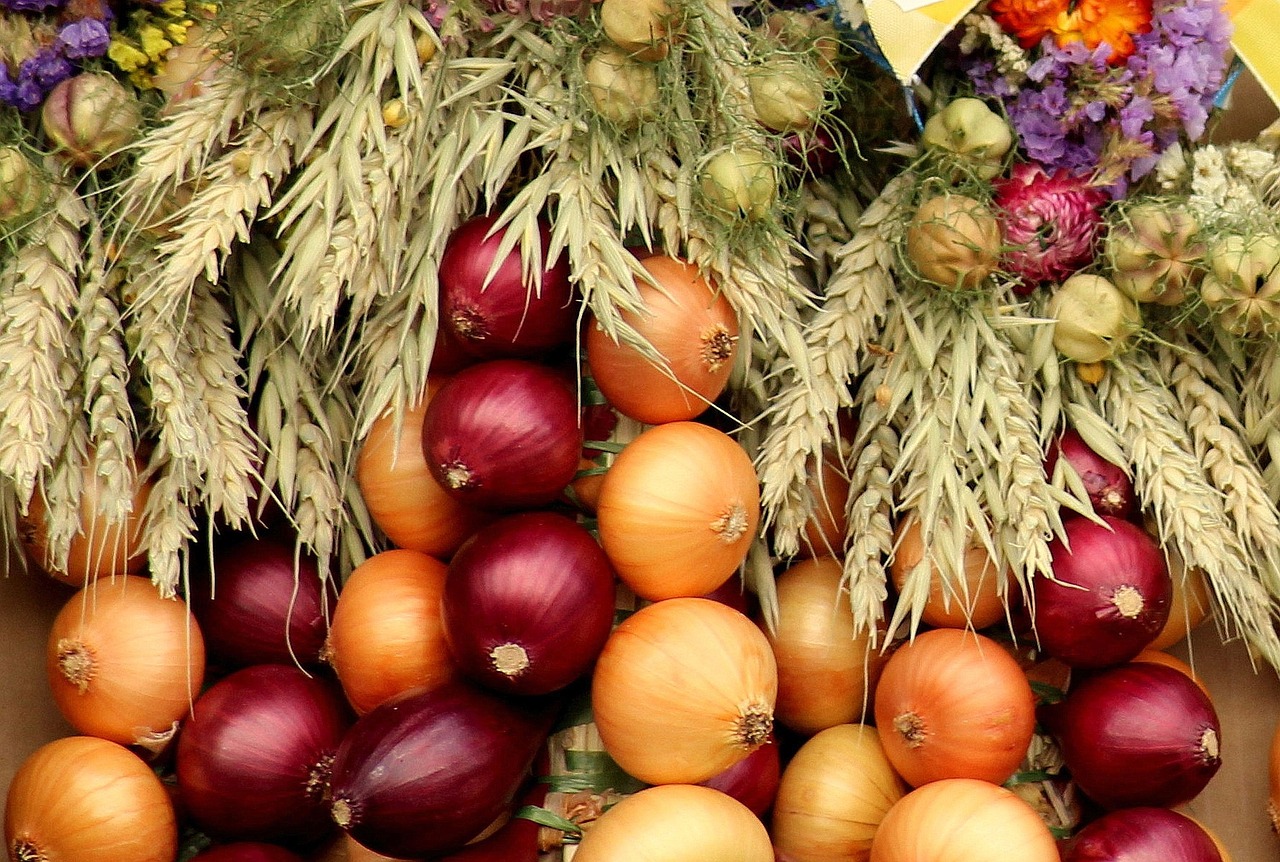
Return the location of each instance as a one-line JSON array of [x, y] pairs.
[[174, 8], [126, 55], [177, 31], [153, 42]]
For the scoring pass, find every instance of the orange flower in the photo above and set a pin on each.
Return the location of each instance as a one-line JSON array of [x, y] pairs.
[[1092, 22]]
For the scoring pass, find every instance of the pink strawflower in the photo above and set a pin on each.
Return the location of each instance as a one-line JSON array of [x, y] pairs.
[[1050, 223]]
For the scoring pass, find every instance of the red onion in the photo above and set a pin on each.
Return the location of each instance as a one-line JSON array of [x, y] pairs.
[[503, 316], [1109, 487], [253, 760], [528, 603], [427, 771], [1137, 734], [247, 851], [1142, 835], [256, 608], [753, 781], [516, 841], [814, 151], [503, 434], [1109, 596]]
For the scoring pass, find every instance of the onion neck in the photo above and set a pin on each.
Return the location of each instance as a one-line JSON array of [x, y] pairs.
[[732, 524], [76, 663], [458, 476], [317, 784], [912, 728], [1210, 750], [509, 659], [346, 814], [717, 347], [25, 850], [753, 725], [1128, 601]]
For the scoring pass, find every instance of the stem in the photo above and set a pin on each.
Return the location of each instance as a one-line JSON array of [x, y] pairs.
[[912, 728], [509, 659], [1128, 601], [753, 725], [76, 663], [731, 524]]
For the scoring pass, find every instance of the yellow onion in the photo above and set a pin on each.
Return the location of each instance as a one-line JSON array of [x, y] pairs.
[[953, 241], [641, 28], [1154, 254], [1242, 285], [969, 129], [741, 182], [1191, 602], [621, 89], [1093, 318], [676, 823], [834, 792]]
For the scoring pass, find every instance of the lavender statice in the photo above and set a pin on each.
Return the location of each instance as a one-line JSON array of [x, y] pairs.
[[40, 48]]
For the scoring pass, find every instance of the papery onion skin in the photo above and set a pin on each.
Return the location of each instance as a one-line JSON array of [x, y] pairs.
[[1125, 598], [90, 800], [263, 603], [678, 510], [954, 704], [1110, 489], [123, 662], [978, 601], [253, 759], [674, 823], [528, 603], [1138, 734], [683, 689], [962, 819], [503, 316], [753, 781], [425, 772], [387, 635], [834, 793], [504, 435], [247, 851], [1143, 834], [690, 324], [402, 496]]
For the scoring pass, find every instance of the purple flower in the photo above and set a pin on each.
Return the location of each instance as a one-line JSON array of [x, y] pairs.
[[30, 5], [46, 68], [87, 37]]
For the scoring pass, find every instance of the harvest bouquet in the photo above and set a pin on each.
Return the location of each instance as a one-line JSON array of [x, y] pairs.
[[957, 342]]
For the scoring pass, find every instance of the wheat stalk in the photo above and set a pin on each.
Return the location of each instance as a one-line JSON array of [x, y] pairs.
[[1260, 413]]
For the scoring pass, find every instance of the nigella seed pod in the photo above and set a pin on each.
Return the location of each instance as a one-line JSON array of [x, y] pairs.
[[21, 187], [1093, 319], [740, 182], [90, 118]]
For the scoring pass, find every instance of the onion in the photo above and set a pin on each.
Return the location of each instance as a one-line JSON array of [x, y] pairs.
[[264, 603], [504, 434], [753, 781], [253, 760], [1137, 734], [89, 800], [684, 689], [1273, 780], [1143, 834], [429, 770], [974, 599], [833, 795], [676, 823], [1108, 598], [1109, 487], [1191, 602], [528, 603], [825, 530], [387, 636], [247, 851], [123, 662], [503, 315], [517, 840]]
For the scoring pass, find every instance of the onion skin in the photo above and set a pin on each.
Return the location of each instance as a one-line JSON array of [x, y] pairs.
[[676, 822], [90, 800], [753, 781], [977, 601], [247, 851], [256, 608], [503, 317], [253, 758], [528, 603], [515, 841], [1144, 834], [1138, 734], [1126, 596], [425, 772], [1110, 489], [504, 434]]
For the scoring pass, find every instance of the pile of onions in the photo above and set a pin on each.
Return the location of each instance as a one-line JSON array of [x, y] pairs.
[[528, 603], [826, 668], [263, 603], [504, 434], [90, 800], [403, 498], [834, 793], [489, 307], [387, 635], [678, 510], [976, 600], [1109, 487], [123, 662], [684, 689], [962, 819], [1138, 734], [427, 771], [676, 823], [1143, 834], [253, 760], [953, 704], [692, 327], [1109, 596]]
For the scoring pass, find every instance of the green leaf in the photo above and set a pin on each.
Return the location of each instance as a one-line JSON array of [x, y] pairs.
[[544, 817]]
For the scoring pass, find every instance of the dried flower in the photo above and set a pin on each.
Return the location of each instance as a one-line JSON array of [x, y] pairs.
[[1050, 222], [1155, 253], [622, 90], [1090, 22], [21, 187], [953, 241], [90, 117], [741, 182], [1242, 286], [969, 129], [1093, 318], [786, 94]]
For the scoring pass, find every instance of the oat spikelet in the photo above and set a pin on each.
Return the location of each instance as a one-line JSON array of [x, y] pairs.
[[1188, 510], [1260, 413], [803, 418], [39, 354]]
